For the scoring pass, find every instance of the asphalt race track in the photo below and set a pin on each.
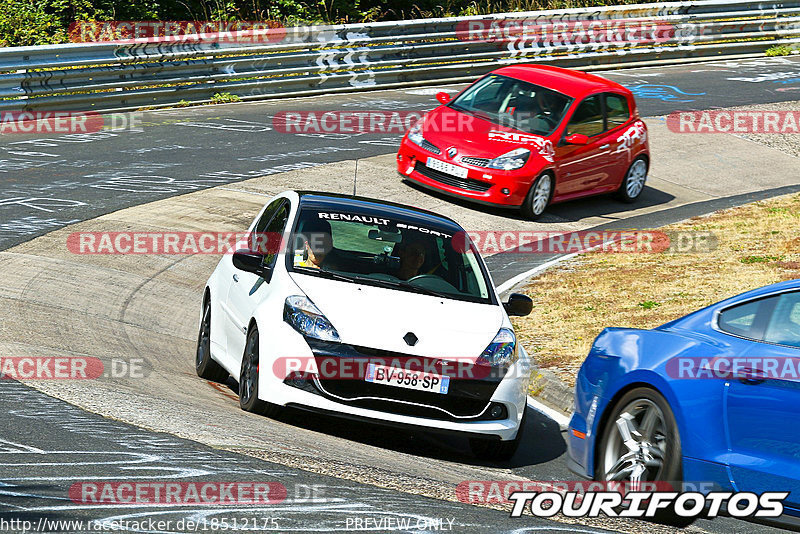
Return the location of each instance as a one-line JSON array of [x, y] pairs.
[[229, 158], [82, 446]]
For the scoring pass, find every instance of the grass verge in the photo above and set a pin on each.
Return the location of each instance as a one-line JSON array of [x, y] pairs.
[[757, 244], [779, 50]]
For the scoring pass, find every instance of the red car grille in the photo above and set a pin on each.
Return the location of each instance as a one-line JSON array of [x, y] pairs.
[[430, 147], [478, 162], [453, 181]]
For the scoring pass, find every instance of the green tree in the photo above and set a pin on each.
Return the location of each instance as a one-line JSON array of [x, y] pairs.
[[26, 22]]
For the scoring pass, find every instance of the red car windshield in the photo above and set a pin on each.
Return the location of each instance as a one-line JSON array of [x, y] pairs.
[[514, 103]]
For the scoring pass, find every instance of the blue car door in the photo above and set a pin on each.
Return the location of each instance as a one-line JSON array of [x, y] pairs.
[[763, 402]]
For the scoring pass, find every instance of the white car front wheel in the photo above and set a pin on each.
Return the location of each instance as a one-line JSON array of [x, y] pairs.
[[538, 197], [633, 184], [248, 379]]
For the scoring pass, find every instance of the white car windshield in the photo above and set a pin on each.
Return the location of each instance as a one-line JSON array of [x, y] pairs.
[[407, 255], [514, 103]]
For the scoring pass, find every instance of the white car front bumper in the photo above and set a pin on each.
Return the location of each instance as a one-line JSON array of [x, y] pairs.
[[284, 342]]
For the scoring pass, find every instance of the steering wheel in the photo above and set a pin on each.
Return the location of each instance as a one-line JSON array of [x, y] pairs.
[[382, 276], [551, 122], [423, 277], [438, 283]]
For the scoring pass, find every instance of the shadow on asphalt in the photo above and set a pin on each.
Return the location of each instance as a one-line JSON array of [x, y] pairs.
[[573, 210], [542, 438], [605, 206], [542, 442]]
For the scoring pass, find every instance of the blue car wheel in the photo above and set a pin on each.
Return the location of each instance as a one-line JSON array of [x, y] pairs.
[[640, 443]]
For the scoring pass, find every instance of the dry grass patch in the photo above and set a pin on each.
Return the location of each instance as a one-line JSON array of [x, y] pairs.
[[757, 244]]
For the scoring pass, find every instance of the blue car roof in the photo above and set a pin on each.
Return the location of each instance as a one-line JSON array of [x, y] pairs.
[[689, 320], [772, 288]]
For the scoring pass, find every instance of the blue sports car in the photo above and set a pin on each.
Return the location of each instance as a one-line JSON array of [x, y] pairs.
[[711, 397]]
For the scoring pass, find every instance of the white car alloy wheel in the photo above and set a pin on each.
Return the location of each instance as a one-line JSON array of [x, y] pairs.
[[538, 198], [541, 195], [248, 376], [635, 179]]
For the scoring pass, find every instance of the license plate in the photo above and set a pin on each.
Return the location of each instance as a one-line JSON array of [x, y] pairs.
[[404, 378], [448, 168]]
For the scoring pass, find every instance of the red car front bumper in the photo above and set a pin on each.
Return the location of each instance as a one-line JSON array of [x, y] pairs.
[[482, 184]]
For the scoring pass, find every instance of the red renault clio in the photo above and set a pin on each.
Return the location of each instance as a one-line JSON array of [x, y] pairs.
[[526, 136]]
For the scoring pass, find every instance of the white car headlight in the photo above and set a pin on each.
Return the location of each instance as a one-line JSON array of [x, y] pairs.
[[502, 351], [306, 318], [415, 135], [510, 161]]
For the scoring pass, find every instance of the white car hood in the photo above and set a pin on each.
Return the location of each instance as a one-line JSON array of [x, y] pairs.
[[377, 317]]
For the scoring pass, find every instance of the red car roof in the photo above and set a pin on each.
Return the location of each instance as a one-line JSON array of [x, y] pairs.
[[570, 82]]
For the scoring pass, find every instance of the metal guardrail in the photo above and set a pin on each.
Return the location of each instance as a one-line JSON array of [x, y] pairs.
[[324, 59]]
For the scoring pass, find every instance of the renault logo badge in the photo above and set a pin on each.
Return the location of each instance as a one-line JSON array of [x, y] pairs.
[[451, 152], [410, 339]]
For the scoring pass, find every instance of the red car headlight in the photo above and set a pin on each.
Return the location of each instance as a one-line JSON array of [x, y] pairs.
[[415, 135], [510, 161]]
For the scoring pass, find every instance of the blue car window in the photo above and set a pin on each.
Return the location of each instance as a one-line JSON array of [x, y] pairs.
[[747, 320], [784, 325]]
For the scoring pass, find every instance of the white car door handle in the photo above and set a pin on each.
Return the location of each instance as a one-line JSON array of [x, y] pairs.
[[603, 147], [235, 277]]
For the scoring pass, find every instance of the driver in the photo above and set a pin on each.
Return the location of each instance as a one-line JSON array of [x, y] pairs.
[[412, 257], [317, 244], [546, 104]]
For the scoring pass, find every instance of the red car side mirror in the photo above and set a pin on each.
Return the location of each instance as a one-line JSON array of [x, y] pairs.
[[443, 97], [577, 139]]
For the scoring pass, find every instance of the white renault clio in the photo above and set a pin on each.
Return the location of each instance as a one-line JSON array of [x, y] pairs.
[[370, 310]]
